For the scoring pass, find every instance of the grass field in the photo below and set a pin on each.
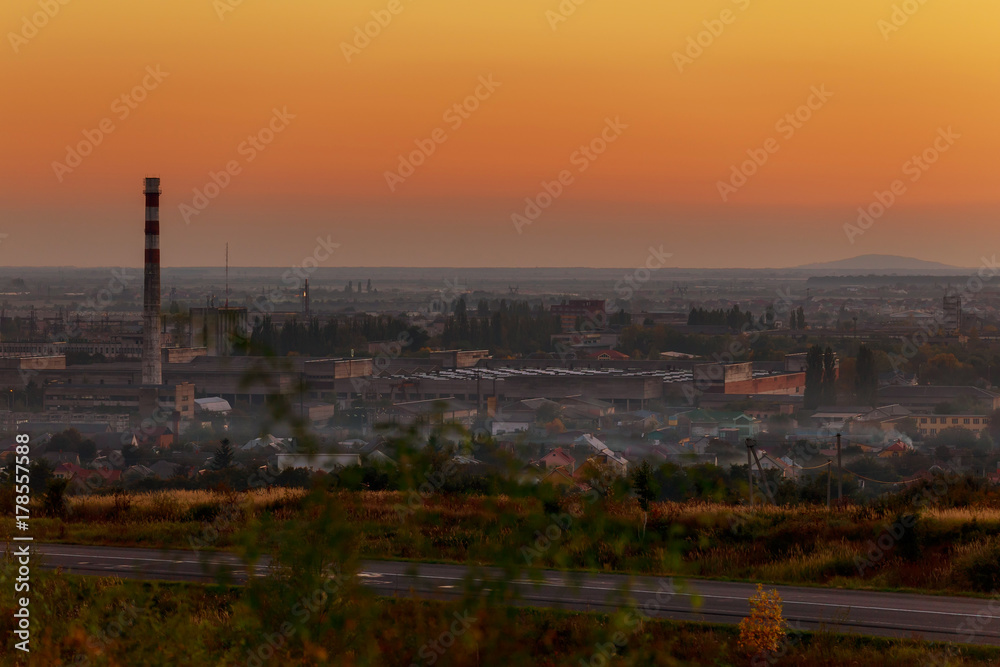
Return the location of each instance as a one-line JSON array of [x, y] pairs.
[[944, 550]]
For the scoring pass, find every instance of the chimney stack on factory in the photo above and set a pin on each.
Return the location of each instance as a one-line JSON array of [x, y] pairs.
[[151, 364]]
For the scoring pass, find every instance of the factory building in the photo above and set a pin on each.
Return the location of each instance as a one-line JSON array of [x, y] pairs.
[[218, 329]]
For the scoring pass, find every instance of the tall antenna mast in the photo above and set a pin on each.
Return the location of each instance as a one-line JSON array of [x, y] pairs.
[[227, 275]]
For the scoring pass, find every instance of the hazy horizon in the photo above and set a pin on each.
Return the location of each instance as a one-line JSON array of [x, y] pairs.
[[429, 142]]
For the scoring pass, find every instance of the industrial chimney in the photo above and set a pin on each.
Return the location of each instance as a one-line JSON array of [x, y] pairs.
[[151, 364]]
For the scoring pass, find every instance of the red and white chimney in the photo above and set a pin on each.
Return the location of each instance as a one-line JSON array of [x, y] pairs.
[[152, 371]]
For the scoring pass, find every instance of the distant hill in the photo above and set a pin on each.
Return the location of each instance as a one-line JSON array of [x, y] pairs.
[[879, 263]]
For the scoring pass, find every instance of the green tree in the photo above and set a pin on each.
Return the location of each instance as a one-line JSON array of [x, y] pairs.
[[829, 390], [813, 394], [54, 501], [644, 487], [87, 450], [866, 377], [223, 457]]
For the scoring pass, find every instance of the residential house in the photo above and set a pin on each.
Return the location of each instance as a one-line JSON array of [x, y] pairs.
[[789, 468], [639, 422], [576, 407], [558, 458], [837, 419], [267, 444], [885, 418], [80, 478], [923, 398], [161, 437], [617, 462], [669, 452], [896, 449], [931, 425], [700, 422], [559, 477]]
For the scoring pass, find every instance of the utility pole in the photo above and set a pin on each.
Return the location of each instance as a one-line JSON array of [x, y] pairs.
[[840, 475], [763, 478], [829, 482], [750, 472]]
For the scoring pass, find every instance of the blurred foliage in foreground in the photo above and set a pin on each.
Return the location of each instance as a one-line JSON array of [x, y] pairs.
[[90, 621]]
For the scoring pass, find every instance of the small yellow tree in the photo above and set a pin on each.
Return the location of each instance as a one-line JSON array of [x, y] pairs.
[[765, 627]]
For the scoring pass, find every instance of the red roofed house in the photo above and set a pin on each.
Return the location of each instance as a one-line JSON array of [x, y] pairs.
[[558, 458], [897, 448], [78, 475]]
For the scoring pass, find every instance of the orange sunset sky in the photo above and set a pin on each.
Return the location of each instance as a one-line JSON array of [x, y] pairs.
[[324, 174]]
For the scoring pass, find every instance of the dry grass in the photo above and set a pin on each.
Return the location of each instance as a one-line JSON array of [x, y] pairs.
[[950, 550], [179, 505]]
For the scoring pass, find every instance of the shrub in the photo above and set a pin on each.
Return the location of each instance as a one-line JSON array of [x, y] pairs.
[[765, 627], [980, 569], [54, 500]]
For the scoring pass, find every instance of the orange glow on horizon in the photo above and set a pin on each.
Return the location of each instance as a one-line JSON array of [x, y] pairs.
[[892, 89]]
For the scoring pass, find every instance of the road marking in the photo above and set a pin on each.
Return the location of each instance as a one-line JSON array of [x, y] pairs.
[[719, 597], [562, 585]]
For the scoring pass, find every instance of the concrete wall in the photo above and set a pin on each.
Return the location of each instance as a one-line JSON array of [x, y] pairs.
[[182, 355]]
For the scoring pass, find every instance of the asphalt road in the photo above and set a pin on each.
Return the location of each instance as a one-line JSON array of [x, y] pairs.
[[963, 620]]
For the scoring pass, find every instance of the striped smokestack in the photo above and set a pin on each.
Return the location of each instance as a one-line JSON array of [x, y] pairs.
[[151, 366]]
